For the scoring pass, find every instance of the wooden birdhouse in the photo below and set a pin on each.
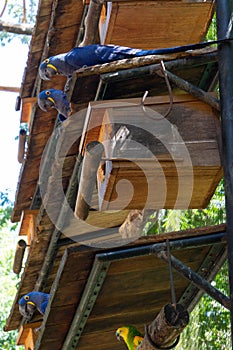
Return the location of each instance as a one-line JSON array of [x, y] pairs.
[[28, 334], [151, 160]]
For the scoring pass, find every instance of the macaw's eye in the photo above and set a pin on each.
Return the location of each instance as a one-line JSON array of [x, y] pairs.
[[26, 297], [47, 60], [47, 93]]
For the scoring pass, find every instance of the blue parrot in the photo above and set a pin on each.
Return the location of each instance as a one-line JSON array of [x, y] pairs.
[[90, 55], [32, 301], [57, 99]]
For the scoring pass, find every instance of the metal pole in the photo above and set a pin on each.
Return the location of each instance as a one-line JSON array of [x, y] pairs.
[[195, 278], [224, 13]]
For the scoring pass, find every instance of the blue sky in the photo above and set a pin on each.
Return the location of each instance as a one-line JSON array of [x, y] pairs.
[[13, 61]]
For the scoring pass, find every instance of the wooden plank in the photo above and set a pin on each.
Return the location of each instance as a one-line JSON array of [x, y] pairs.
[[107, 339], [28, 224], [145, 23], [204, 183], [27, 331], [27, 105]]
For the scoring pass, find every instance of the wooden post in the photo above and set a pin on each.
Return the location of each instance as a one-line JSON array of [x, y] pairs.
[[21, 147], [91, 35], [164, 331], [91, 161], [19, 254]]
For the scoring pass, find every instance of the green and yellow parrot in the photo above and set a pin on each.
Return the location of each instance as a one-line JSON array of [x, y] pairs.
[[130, 336]]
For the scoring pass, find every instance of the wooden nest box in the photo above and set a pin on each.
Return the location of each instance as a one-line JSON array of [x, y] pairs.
[[151, 160]]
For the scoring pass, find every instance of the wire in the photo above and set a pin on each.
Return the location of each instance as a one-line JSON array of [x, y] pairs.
[[4, 7]]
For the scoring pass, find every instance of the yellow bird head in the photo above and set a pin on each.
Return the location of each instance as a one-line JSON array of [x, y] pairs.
[[130, 336]]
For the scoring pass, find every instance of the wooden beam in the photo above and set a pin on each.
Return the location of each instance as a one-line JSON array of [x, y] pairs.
[[9, 88], [152, 63], [196, 279], [193, 90]]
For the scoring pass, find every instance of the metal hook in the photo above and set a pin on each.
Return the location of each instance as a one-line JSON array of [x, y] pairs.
[[144, 98], [163, 69]]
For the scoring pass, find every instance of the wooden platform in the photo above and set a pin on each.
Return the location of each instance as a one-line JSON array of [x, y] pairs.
[[104, 290]]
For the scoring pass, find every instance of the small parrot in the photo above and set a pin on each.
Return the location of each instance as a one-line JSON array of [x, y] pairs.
[[90, 55], [130, 336], [32, 301], [57, 99]]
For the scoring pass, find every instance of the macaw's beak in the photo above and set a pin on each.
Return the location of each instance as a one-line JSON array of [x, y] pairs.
[[47, 70], [46, 103], [27, 310]]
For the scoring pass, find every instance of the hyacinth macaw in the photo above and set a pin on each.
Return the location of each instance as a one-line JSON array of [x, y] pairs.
[[57, 99], [90, 55], [130, 336], [32, 301]]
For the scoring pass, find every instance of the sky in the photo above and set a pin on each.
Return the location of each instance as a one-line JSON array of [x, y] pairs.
[[13, 58]]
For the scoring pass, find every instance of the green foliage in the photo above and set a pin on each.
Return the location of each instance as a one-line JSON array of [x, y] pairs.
[[209, 326], [5, 209], [212, 31], [5, 212], [174, 220], [8, 280]]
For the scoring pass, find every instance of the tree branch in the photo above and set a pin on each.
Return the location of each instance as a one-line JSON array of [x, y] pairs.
[[9, 88], [25, 29]]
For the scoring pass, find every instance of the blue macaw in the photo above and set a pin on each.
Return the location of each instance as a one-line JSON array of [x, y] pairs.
[[57, 99], [32, 301], [90, 55]]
